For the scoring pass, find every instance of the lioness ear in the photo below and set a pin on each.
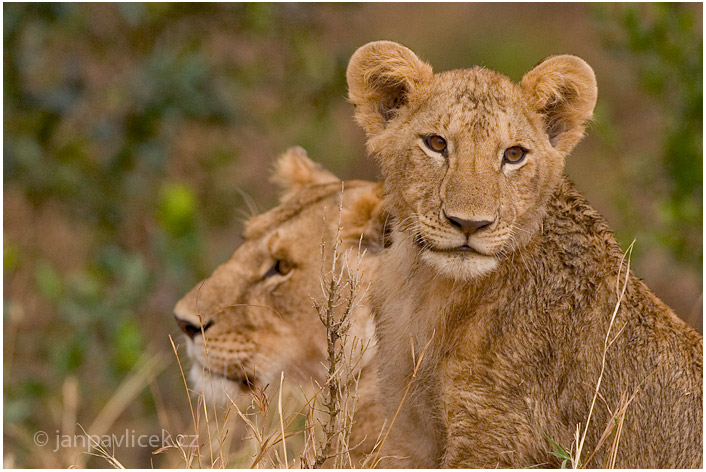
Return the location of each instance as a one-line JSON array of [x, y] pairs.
[[293, 171], [563, 90], [381, 75], [366, 220]]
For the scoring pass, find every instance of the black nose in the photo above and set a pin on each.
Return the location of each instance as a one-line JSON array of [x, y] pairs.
[[191, 329], [468, 226]]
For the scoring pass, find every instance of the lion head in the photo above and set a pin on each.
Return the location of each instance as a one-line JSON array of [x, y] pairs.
[[254, 316], [469, 158]]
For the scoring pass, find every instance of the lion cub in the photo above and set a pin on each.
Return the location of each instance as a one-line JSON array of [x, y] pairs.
[[506, 279], [254, 317]]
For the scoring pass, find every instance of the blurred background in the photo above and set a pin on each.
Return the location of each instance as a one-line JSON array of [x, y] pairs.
[[138, 137]]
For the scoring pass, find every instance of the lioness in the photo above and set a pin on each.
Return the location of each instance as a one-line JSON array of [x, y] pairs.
[[254, 318], [509, 279]]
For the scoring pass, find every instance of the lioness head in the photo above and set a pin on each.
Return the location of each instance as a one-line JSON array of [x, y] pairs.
[[469, 158], [254, 317]]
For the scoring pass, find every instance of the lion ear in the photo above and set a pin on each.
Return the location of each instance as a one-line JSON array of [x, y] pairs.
[[366, 220], [293, 171], [381, 75], [563, 90]]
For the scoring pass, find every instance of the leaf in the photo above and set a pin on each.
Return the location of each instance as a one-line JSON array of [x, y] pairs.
[[558, 451], [177, 208], [10, 257], [48, 281]]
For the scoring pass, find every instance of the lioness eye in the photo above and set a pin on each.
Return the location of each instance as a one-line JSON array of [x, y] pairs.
[[435, 142], [514, 155], [280, 267]]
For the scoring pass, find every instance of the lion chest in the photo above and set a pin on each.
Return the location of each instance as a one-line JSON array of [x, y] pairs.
[[494, 405]]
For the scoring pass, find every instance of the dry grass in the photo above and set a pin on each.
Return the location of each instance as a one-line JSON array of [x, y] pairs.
[[575, 454], [340, 284]]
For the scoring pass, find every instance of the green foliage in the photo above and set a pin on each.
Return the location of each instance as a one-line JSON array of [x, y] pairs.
[[177, 209], [48, 282], [665, 41], [558, 452], [136, 121], [97, 313], [129, 344], [10, 257]]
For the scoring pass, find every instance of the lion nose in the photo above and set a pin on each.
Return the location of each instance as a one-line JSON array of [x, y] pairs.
[[191, 329], [468, 226]]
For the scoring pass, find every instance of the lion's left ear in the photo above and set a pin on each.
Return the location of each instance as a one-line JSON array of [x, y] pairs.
[[366, 220], [293, 171], [563, 90]]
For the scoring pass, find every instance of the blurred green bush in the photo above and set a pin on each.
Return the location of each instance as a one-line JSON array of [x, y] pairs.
[[131, 121], [665, 41]]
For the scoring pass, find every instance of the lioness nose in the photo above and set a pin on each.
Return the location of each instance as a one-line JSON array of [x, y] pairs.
[[191, 329], [468, 226]]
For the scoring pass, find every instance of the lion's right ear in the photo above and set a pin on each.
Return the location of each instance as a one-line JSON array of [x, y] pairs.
[[381, 75], [293, 171]]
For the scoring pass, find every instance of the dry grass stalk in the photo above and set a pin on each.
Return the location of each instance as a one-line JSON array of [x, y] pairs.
[[340, 288], [281, 421], [620, 415], [378, 446], [101, 451], [191, 406], [141, 375]]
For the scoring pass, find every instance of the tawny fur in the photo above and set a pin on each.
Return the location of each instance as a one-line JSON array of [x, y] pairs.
[[514, 314], [260, 326]]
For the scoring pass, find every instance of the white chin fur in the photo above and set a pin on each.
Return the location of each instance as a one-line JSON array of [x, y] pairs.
[[216, 390], [460, 266]]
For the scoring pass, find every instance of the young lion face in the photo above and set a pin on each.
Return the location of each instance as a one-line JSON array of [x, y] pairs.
[[254, 317], [468, 157]]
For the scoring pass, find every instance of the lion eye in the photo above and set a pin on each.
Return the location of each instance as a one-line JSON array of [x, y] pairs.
[[435, 142], [280, 267], [514, 155]]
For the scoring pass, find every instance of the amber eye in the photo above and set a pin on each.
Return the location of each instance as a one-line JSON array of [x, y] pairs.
[[514, 155], [436, 143], [280, 267]]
